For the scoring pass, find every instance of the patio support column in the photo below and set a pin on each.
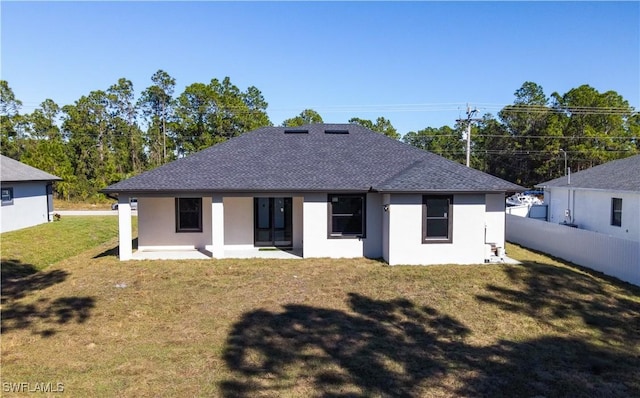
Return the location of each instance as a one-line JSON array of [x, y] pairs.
[[217, 226], [124, 231]]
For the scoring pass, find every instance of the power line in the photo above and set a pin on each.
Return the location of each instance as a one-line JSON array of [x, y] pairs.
[[436, 107], [571, 137]]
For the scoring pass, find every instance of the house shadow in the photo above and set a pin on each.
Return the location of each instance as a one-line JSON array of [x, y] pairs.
[[19, 281], [115, 251], [396, 348]]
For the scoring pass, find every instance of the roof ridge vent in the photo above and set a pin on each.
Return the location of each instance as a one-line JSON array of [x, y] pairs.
[[296, 131], [335, 131]]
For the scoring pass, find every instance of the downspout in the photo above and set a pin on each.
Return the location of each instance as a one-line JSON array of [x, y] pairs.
[[49, 192], [569, 207]]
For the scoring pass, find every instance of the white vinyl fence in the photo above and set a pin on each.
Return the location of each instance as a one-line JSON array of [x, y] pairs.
[[538, 212], [612, 256]]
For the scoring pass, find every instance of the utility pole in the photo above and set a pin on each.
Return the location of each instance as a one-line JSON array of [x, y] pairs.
[[565, 160], [469, 120], [164, 135]]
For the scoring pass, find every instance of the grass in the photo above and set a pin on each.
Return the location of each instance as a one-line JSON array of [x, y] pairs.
[[44, 245], [321, 327], [60, 204]]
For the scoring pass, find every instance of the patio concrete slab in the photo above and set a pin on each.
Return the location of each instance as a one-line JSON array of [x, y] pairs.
[[171, 255], [205, 255], [263, 253]]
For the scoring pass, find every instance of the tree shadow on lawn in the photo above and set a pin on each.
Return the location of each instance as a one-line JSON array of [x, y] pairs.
[[550, 294], [19, 280], [395, 348]]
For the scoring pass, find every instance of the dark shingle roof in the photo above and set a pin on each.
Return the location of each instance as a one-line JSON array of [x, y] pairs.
[[14, 171], [618, 175], [270, 159]]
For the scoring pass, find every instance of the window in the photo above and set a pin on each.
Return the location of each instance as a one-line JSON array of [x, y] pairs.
[[188, 214], [437, 219], [616, 212], [347, 216], [7, 196]]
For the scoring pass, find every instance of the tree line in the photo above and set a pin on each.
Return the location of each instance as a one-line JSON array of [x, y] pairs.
[[528, 142], [109, 135]]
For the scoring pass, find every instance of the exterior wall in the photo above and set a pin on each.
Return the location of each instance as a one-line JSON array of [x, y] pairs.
[[386, 201], [217, 227], [315, 230], [239, 221], [495, 212], [559, 200], [157, 225], [125, 247], [405, 232], [29, 206], [591, 210], [298, 221], [394, 234]]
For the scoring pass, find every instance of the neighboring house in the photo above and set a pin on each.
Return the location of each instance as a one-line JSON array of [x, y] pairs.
[[323, 190], [27, 197], [604, 198]]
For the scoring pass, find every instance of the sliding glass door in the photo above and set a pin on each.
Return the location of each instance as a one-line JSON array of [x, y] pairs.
[[272, 221]]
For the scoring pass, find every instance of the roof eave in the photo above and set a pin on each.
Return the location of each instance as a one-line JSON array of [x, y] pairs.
[[234, 190], [443, 191], [34, 180]]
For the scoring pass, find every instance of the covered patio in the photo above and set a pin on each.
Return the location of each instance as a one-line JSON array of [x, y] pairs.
[[194, 254]]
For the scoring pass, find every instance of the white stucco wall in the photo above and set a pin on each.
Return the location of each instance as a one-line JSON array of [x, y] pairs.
[[316, 242], [29, 206], [239, 221], [558, 200], [125, 235], [591, 210], [386, 201], [157, 225], [405, 232], [495, 219], [395, 235], [298, 221]]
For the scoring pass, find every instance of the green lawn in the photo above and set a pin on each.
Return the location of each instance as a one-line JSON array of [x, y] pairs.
[[38, 247], [318, 327]]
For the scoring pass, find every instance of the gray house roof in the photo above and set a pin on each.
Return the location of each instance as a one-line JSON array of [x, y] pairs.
[[617, 175], [14, 171], [316, 157]]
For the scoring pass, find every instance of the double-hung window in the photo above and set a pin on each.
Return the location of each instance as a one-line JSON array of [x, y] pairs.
[[347, 216], [188, 214], [7, 196], [616, 212], [437, 219]]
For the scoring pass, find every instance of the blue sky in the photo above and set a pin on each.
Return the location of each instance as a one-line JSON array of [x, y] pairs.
[[415, 63]]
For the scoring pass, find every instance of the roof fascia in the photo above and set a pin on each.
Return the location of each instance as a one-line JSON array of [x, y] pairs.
[[445, 191], [588, 189], [35, 180], [257, 193]]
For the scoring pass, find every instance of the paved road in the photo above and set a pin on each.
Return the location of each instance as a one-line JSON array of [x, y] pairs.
[[91, 212]]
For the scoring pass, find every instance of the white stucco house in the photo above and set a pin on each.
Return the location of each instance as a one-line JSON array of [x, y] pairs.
[[321, 190], [27, 198], [603, 199]]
